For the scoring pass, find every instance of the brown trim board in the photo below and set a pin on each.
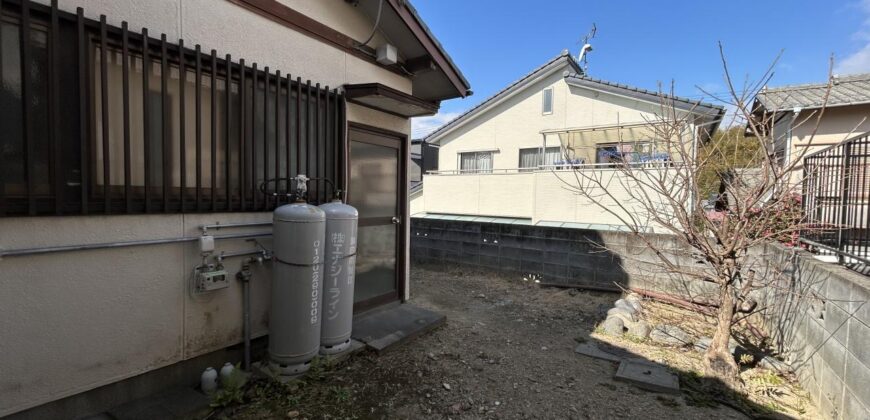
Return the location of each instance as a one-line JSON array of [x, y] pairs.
[[291, 18]]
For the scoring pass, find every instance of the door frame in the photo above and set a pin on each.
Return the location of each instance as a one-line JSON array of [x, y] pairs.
[[392, 139]]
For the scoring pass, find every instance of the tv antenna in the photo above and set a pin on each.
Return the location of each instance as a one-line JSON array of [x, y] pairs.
[[586, 48]]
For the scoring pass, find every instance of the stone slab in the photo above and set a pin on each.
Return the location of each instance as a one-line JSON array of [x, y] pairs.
[[384, 328], [604, 351], [592, 350], [649, 377]]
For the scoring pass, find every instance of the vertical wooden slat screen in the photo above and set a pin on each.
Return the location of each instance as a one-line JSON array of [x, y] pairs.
[[228, 88], [277, 134], [146, 111], [164, 125], [213, 157], [243, 153], [198, 111], [265, 131], [83, 109], [54, 106], [115, 166], [125, 70], [24, 39], [182, 128], [2, 129], [253, 142], [104, 100]]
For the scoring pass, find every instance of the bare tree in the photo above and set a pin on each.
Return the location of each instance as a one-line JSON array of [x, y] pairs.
[[761, 203]]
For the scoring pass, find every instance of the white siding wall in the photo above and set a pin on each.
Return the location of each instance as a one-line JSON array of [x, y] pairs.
[[517, 122], [71, 322]]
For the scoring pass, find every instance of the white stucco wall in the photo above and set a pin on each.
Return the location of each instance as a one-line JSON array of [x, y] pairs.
[[71, 322]]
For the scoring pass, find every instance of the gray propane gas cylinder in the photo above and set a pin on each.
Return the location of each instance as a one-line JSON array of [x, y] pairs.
[[297, 284], [341, 223]]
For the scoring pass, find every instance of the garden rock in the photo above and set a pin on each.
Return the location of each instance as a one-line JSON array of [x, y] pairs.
[[625, 314], [703, 343], [634, 299], [638, 329], [774, 364], [613, 326], [670, 335], [625, 304]]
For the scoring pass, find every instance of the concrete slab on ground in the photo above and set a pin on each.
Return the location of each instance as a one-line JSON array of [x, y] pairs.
[[592, 350], [176, 403], [647, 376], [610, 353], [386, 327]]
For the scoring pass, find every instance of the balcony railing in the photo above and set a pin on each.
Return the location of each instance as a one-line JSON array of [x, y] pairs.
[[836, 194], [561, 167]]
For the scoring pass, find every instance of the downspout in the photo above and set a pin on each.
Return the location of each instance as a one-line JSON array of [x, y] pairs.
[[794, 115]]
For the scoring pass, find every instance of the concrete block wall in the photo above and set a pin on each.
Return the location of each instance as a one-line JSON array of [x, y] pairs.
[[559, 256], [819, 316]]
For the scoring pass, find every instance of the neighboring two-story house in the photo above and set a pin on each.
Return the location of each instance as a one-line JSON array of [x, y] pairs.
[[804, 119], [822, 130], [502, 160], [131, 129]]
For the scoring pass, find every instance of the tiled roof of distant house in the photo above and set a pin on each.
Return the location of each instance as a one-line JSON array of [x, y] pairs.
[[846, 90]]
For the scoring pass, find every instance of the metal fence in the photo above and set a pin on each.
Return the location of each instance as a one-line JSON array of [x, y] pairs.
[[99, 119], [836, 201]]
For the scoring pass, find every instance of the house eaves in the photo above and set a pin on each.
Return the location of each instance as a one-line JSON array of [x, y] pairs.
[[434, 75], [640, 94], [514, 88]]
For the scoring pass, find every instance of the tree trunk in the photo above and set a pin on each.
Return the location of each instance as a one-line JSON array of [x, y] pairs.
[[718, 360]]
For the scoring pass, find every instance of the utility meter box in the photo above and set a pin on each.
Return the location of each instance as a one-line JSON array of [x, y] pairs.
[[210, 278]]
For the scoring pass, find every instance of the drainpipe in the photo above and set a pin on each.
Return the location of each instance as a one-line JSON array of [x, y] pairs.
[[244, 275], [794, 115]]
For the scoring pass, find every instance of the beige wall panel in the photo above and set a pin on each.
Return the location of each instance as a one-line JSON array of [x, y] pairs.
[[74, 321]]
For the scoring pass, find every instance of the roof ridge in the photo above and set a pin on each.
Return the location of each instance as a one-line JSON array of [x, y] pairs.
[[563, 54], [800, 86]]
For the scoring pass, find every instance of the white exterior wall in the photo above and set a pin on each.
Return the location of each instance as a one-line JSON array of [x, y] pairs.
[[71, 322], [518, 121], [806, 134], [538, 196]]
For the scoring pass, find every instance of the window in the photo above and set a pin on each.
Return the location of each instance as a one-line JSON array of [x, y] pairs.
[[478, 162], [532, 158], [90, 125], [547, 106]]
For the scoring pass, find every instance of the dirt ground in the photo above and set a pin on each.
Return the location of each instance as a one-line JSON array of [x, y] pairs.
[[506, 351]]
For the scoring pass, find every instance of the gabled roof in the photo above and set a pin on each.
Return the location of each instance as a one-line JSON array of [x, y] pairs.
[[846, 90], [632, 92], [577, 78], [557, 62]]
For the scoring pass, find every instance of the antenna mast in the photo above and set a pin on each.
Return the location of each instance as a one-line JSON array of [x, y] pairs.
[[586, 48]]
